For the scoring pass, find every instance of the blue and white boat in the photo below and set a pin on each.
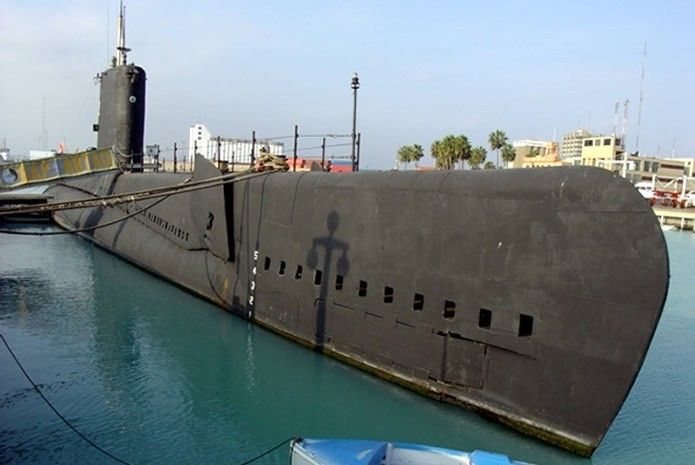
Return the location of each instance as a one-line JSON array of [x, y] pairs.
[[357, 452]]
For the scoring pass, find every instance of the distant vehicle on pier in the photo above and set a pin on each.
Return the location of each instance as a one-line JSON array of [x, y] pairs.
[[674, 194]]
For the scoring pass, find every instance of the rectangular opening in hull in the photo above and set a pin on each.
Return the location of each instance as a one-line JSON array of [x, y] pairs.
[[525, 325], [388, 295], [449, 309], [363, 289], [485, 318], [418, 302]]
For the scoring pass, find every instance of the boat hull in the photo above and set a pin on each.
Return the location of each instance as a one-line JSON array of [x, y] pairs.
[[363, 452], [530, 296]]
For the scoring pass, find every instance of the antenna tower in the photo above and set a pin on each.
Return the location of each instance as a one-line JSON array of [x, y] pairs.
[[641, 97], [624, 144]]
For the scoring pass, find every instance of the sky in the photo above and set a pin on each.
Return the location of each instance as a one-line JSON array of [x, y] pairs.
[[533, 69]]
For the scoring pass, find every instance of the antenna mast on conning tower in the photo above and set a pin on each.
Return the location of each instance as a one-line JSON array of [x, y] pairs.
[[121, 49]]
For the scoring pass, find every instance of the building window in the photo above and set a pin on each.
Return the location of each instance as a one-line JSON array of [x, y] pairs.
[[617, 141], [281, 270], [588, 143], [606, 142], [317, 277], [338, 282]]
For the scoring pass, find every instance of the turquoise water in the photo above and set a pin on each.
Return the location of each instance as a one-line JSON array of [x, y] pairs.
[[156, 376]]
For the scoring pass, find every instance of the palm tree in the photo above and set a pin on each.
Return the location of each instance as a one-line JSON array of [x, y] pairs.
[[497, 139], [437, 151], [489, 165], [449, 157], [408, 153], [403, 155], [478, 155], [508, 153], [462, 149], [417, 154], [449, 150]]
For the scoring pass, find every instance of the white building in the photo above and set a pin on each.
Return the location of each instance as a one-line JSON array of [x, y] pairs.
[[39, 154], [231, 150]]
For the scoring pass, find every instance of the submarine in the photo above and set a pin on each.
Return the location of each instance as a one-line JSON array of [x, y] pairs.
[[530, 296]]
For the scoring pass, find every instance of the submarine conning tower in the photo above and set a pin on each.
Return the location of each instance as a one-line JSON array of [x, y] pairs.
[[121, 123]]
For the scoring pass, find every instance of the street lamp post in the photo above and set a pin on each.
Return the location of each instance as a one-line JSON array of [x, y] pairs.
[[355, 84]]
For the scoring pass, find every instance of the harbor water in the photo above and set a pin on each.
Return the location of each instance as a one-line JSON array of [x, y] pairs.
[[157, 376]]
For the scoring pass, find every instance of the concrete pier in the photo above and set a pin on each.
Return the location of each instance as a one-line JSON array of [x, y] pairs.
[[24, 198], [682, 218]]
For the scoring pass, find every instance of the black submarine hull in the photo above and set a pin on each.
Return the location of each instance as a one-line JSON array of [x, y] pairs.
[[530, 296]]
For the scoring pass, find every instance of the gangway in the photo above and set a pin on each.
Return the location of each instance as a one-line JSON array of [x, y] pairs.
[[32, 172]]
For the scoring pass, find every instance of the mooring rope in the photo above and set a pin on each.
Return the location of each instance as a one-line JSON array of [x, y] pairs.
[[267, 164], [92, 443], [272, 449], [55, 410], [81, 230]]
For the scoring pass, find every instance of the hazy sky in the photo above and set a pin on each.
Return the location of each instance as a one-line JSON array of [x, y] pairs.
[[427, 69]]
